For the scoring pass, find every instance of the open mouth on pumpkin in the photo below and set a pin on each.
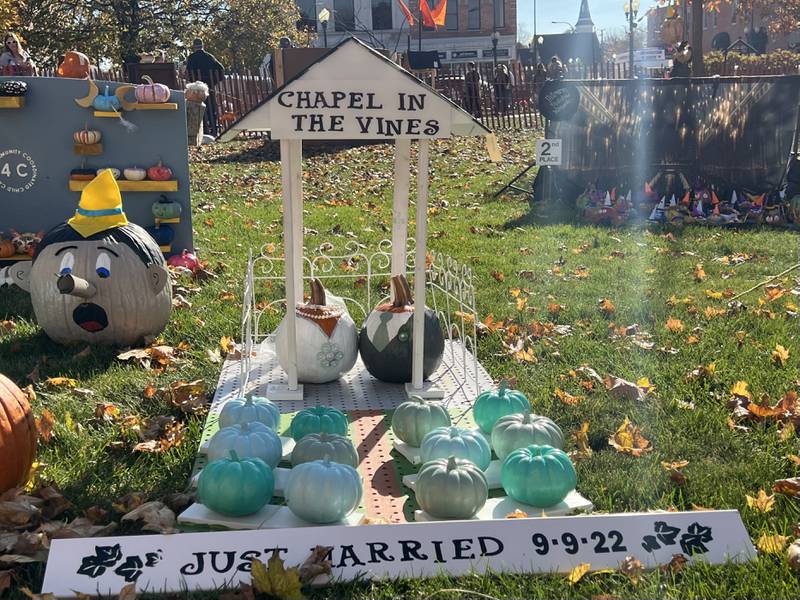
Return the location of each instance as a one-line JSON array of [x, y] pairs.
[[90, 317]]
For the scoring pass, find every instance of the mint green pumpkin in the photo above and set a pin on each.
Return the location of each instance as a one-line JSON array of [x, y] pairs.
[[318, 419], [520, 430], [248, 440], [235, 486], [249, 410], [540, 476], [164, 208], [415, 418], [451, 488], [492, 405], [467, 444], [316, 446], [322, 491]]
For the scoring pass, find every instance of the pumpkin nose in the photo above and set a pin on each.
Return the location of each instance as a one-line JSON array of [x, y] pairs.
[[75, 286]]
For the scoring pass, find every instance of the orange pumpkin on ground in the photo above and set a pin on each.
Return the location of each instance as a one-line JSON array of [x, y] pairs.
[[17, 435]]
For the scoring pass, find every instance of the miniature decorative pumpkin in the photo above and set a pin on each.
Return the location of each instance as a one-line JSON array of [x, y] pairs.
[[87, 136], [451, 488], [159, 172], [82, 174], [164, 235], [107, 101], [322, 491], [134, 173], [151, 93], [164, 208], [541, 476], [185, 259], [491, 405], [113, 170], [235, 486], [17, 435], [12, 87], [316, 446], [76, 65], [466, 444], [254, 409], [327, 345], [249, 440], [7, 248], [415, 418], [318, 419], [386, 340], [520, 430]]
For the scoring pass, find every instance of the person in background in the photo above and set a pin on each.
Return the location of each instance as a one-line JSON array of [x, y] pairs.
[[556, 69], [15, 56], [472, 90], [502, 88], [202, 66]]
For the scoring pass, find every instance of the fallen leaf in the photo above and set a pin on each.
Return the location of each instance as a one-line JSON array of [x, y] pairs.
[[553, 308], [780, 355], [275, 579], [517, 514], [567, 398], [675, 565], [576, 574], [787, 487], [772, 544], [699, 273], [129, 501], [761, 503], [628, 439], [5, 579], [128, 592], [631, 567], [624, 389], [156, 516], [61, 381], [607, 307], [499, 276], [740, 389], [316, 564], [44, 425], [644, 384], [674, 325]]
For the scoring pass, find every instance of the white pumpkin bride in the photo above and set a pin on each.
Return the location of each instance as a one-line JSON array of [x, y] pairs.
[[327, 341]]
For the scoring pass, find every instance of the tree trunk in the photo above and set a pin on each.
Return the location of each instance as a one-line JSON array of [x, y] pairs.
[[698, 68]]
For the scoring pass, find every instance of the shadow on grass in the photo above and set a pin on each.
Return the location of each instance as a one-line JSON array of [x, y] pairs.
[[269, 150]]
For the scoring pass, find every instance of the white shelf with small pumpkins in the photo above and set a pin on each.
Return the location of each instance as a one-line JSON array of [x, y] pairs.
[[457, 469]]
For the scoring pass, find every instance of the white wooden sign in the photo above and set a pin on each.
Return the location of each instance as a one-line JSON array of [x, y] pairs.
[[548, 153], [205, 561]]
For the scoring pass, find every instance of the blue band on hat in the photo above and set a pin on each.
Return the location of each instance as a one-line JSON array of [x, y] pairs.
[[105, 212]]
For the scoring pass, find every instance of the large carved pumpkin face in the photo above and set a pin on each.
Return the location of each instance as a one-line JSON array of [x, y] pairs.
[[100, 291]]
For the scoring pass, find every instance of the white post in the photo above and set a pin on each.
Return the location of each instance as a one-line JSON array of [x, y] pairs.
[[296, 149], [418, 342], [402, 176]]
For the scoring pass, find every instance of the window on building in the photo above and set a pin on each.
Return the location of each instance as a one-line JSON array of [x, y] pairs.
[[734, 11], [705, 20], [499, 14], [308, 13], [344, 15], [716, 19], [451, 16], [381, 14], [474, 14]]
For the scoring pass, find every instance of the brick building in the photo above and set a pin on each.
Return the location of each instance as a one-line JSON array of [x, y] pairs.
[[715, 24], [466, 35]]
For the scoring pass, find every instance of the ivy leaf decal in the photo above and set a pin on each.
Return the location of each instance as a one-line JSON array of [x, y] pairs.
[[131, 569], [152, 558], [105, 556]]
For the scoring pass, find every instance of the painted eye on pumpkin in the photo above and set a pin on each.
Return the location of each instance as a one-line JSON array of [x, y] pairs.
[[103, 266], [66, 264]]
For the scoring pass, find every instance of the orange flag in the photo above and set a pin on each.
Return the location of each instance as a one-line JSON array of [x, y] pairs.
[[427, 17], [406, 12], [439, 13]]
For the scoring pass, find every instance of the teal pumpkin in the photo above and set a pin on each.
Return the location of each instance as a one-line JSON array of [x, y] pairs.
[[318, 419], [492, 405], [451, 488], [164, 208], [415, 418], [248, 440], [322, 491], [541, 476], [316, 446], [107, 101], [250, 410], [467, 444], [520, 430], [235, 486]]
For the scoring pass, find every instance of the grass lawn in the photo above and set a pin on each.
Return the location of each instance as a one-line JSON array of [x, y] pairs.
[[669, 292]]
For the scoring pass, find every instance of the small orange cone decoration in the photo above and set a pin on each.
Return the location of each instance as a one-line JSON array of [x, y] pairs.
[[687, 197], [714, 199]]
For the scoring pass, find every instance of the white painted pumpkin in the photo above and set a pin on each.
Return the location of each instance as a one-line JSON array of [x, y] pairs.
[[87, 136], [327, 341], [110, 288]]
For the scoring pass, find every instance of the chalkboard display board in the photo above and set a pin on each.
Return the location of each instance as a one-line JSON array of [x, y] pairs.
[[37, 154]]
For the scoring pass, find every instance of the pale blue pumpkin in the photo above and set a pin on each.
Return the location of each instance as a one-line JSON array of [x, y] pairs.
[[322, 491], [451, 488], [491, 405], [250, 410], [467, 444], [540, 476], [248, 440], [318, 419], [235, 486], [106, 101], [519, 430], [415, 417], [317, 446]]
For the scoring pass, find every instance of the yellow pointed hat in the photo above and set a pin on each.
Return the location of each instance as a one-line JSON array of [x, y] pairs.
[[100, 207]]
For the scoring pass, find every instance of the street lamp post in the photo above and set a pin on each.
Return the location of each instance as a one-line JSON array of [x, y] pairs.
[[324, 17], [631, 10], [495, 39], [535, 47]]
